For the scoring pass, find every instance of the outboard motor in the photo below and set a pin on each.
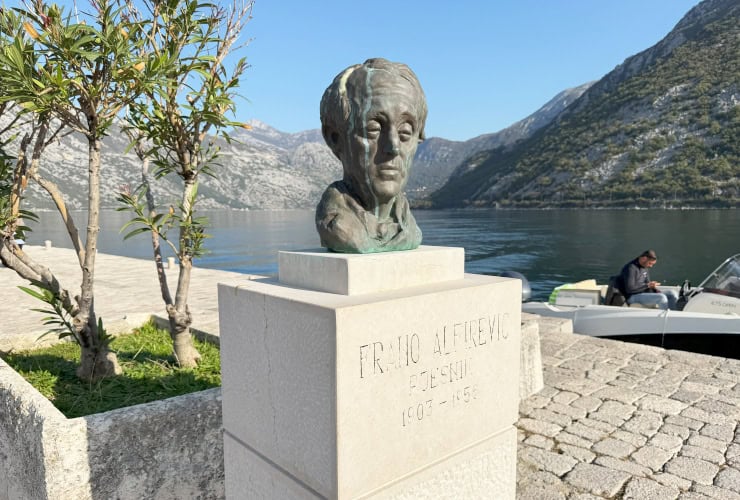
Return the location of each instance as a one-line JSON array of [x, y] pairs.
[[526, 289]]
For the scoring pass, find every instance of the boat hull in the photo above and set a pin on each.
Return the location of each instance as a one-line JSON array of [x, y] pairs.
[[609, 321], [725, 345]]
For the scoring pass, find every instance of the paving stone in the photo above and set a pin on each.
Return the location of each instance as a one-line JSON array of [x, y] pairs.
[[539, 441], [732, 400], [583, 387], [572, 439], [692, 469], [661, 390], [685, 396], [588, 403], [538, 491], [580, 454], [533, 484], [634, 439], [598, 424], [645, 423], [667, 479], [715, 406], [600, 374], [652, 456], [547, 460], [710, 381], [692, 495], [716, 492], [548, 392], [584, 496], [585, 432], [700, 388], [613, 448], [703, 453], [597, 479], [612, 412], [578, 364], [641, 372], [527, 473], [627, 466], [520, 435], [648, 358], [706, 416], [545, 428], [567, 410], [692, 424], [729, 479], [707, 442], [675, 430], [628, 381], [659, 404], [565, 397], [621, 394], [542, 415], [667, 442], [532, 403], [646, 489]]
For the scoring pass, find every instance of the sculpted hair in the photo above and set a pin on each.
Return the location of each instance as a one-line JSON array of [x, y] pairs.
[[336, 103]]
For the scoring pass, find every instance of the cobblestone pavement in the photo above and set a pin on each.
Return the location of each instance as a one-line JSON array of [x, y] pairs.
[[626, 421]]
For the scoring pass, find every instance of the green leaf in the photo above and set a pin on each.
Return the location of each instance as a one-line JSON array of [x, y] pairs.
[[136, 231]]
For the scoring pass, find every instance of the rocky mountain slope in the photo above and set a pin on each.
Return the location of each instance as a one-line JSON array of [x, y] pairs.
[[661, 128], [437, 159], [264, 168]]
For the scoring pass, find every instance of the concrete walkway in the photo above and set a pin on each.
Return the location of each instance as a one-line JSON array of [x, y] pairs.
[[127, 293], [614, 420]]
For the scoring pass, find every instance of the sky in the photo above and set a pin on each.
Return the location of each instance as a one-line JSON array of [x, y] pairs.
[[483, 64]]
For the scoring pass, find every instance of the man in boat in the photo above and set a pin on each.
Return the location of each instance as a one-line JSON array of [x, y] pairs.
[[635, 284]]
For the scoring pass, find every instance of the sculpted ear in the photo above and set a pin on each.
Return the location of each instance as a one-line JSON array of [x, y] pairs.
[[333, 139]]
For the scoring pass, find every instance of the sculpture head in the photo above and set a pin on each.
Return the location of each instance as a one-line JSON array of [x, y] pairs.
[[372, 118]]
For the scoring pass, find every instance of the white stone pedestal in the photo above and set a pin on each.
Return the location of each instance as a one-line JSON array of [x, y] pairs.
[[404, 387]]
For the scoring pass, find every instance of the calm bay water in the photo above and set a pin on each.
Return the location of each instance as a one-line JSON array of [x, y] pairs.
[[549, 247]]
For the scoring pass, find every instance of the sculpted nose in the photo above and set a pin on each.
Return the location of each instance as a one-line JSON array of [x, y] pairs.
[[393, 144]]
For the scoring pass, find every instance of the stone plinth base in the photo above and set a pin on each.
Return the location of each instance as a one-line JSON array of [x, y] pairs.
[[375, 394]]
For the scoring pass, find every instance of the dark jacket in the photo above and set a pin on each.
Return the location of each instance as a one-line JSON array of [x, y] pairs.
[[633, 279]]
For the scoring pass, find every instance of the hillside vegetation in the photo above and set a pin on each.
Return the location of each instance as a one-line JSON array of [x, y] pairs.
[[663, 128]]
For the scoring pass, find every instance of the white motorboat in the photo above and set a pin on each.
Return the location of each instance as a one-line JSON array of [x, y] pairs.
[[708, 319]]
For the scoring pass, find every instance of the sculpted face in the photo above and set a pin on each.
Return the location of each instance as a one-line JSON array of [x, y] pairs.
[[372, 118], [382, 136]]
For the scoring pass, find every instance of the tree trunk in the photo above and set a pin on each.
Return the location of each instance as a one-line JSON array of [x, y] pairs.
[[180, 319], [96, 360], [179, 313]]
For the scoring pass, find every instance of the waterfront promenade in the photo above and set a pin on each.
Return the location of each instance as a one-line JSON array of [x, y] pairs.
[[614, 420]]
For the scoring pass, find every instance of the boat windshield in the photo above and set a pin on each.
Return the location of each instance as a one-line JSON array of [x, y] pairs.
[[726, 278]]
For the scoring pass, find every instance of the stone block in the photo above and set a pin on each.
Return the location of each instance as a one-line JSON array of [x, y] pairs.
[[356, 274], [531, 379], [163, 449], [356, 394], [487, 470]]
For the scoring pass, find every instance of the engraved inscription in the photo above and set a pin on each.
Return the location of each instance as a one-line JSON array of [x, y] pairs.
[[438, 363]]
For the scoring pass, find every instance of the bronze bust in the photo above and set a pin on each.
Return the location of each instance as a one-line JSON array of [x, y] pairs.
[[372, 118]]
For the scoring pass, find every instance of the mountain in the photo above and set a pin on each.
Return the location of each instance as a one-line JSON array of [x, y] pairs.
[[437, 159], [264, 168], [663, 127]]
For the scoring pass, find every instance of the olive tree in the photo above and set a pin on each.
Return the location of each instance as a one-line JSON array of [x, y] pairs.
[[190, 89], [80, 68]]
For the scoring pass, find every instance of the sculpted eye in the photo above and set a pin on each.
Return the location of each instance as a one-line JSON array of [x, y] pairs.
[[373, 129], [405, 132]]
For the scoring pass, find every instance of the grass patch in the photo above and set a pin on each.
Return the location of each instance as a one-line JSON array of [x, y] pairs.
[[149, 373]]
